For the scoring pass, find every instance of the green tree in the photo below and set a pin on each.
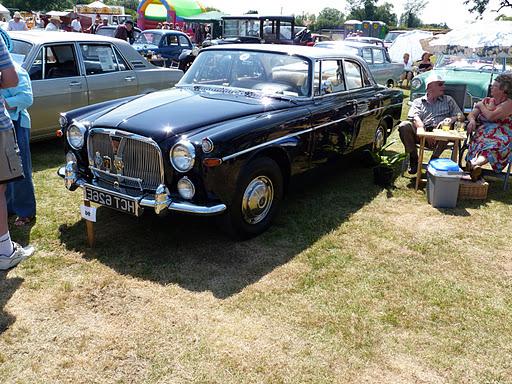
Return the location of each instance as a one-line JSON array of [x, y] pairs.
[[385, 13], [329, 18], [368, 10], [480, 6], [39, 5], [412, 10]]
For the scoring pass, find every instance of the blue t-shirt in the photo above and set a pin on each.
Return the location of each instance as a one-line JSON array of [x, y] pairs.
[[5, 63]]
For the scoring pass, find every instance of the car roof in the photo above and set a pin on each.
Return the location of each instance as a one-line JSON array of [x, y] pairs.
[[363, 38], [300, 50], [36, 37], [165, 31], [349, 43]]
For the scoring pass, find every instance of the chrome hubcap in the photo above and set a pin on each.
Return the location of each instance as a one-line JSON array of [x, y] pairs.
[[257, 199], [379, 139]]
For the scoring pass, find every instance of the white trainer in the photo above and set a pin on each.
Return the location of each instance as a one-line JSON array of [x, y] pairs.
[[18, 255]]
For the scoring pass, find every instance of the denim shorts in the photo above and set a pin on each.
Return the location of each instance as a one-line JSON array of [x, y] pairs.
[[10, 160]]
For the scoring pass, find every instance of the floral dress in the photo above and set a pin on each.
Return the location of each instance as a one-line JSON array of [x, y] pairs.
[[494, 141]]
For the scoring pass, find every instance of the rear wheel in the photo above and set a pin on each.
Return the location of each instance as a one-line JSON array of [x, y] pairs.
[[257, 198]]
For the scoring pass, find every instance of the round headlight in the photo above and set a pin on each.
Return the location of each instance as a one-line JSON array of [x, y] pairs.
[[76, 135], [63, 121], [415, 83], [186, 188], [183, 155]]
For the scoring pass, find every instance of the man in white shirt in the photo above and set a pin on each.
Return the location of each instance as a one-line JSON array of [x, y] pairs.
[[54, 24], [17, 23], [75, 24]]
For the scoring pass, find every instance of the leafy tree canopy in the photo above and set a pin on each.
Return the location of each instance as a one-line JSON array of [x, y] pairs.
[[368, 10], [480, 6], [38, 5], [412, 10], [328, 18]]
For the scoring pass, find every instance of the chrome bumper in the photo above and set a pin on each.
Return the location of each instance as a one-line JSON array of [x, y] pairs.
[[160, 202]]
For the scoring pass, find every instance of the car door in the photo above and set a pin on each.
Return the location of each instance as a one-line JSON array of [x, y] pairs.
[[57, 84], [170, 46], [367, 98], [108, 75], [332, 112], [379, 67]]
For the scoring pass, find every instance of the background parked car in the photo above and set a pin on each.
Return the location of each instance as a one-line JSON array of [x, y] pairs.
[[70, 70], [110, 31], [168, 44], [368, 40], [268, 112], [391, 36], [382, 68]]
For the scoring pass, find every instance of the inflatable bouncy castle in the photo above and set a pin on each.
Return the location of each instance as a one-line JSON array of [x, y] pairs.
[[152, 12]]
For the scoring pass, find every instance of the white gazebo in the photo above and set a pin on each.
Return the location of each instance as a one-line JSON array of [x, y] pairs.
[[4, 12]]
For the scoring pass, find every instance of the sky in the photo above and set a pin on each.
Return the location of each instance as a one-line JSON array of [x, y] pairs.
[[453, 12]]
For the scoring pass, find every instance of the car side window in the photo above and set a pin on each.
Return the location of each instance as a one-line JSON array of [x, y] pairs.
[[378, 56], [171, 40], [183, 41], [36, 69], [332, 77], [354, 75], [367, 55], [101, 58], [58, 61]]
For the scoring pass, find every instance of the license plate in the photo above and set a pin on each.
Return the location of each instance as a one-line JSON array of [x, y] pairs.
[[112, 200]]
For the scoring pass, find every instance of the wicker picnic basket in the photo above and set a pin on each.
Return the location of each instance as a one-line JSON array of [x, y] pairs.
[[476, 190]]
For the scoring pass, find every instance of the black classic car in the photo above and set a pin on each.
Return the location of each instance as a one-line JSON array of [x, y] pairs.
[[226, 140]]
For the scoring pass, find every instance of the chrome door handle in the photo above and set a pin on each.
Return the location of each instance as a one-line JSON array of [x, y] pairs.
[[130, 78], [75, 84]]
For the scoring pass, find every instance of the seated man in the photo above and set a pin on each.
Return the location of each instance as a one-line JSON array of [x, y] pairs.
[[407, 74], [425, 114]]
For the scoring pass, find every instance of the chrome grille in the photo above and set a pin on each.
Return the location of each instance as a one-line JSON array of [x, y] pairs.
[[122, 158]]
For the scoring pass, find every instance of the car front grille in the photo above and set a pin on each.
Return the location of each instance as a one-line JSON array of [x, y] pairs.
[[125, 160]]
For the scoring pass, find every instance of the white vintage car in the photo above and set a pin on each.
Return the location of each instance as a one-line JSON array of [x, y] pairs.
[[72, 70]]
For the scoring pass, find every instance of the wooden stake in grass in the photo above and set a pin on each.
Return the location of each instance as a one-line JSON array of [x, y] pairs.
[[90, 228]]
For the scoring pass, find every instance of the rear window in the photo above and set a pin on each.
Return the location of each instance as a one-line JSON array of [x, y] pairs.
[[20, 50]]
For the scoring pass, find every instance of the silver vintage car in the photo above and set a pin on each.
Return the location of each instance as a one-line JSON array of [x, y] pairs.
[[382, 68], [72, 70]]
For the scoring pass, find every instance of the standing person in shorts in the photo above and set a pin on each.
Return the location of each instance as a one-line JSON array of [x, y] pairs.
[[10, 166]]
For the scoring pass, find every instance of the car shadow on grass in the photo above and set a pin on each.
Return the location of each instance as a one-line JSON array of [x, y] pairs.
[[194, 253], [47, 154], [7, 289]]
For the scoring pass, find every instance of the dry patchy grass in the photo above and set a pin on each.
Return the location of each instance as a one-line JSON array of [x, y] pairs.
[[352, 284]]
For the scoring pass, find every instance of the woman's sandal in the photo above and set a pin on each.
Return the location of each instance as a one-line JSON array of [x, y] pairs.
[[22, 221]]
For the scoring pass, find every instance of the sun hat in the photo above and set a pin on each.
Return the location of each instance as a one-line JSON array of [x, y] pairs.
[[433, 78], [17, 15], [56, 18]]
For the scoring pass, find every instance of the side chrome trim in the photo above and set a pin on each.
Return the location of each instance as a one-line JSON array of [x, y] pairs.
[[236, 154]]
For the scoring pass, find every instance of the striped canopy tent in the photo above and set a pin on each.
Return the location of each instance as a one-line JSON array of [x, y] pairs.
[[153, 11]]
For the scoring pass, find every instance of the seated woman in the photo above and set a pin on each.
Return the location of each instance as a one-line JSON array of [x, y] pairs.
[[424, 64], [491, 120]]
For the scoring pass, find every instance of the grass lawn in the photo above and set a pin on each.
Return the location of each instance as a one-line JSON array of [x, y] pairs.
[[353, 284]]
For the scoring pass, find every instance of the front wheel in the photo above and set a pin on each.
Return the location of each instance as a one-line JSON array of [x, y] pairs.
[[257, 198], [379, 139]]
